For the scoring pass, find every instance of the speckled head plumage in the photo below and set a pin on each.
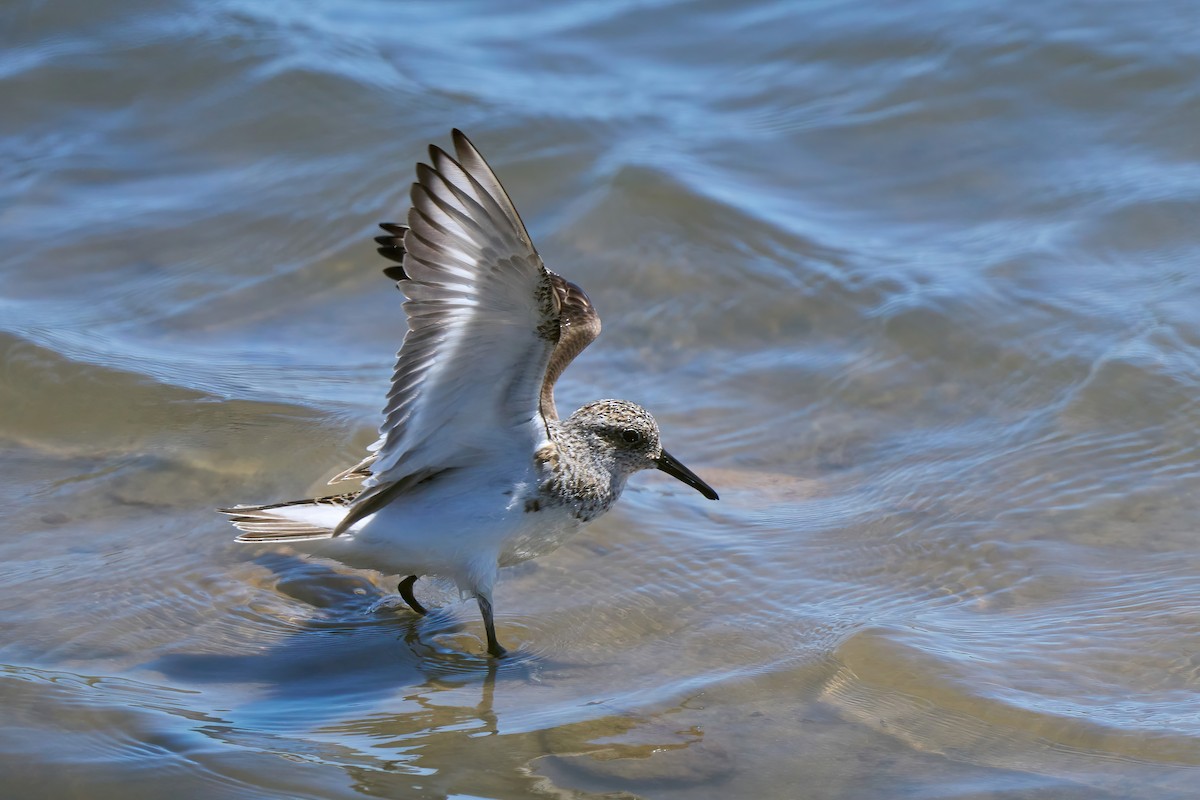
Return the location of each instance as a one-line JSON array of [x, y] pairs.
[[624, 437], [624, 432]]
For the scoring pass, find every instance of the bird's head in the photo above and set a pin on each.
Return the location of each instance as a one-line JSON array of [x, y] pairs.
[[628, 436]]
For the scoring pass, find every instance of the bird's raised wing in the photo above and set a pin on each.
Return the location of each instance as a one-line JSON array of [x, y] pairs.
[[485, 319]]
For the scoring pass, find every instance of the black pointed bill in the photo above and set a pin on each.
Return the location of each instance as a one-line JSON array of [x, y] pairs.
[[670, 465]]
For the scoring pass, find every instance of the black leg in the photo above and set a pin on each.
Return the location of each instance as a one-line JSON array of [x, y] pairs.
[[485, 608], [406, 592]]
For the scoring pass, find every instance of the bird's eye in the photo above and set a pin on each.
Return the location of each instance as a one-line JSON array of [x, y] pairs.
[[631, 436]]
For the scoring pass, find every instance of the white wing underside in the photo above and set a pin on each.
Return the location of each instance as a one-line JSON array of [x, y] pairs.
[[483, 321]]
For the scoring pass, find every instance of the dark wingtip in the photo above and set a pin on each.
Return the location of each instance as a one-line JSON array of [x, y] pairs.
[[464, 147], [391, 247], [395, 273]]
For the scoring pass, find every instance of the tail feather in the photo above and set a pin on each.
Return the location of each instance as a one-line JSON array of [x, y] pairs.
[[293, 521]]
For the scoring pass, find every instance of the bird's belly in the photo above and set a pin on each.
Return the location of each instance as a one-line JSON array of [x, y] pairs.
[[451, 535], [543, 531]]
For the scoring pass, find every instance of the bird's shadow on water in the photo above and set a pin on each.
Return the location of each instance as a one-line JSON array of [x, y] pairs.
[[343, 642]]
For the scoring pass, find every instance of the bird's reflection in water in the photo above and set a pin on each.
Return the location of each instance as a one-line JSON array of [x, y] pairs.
[[384, 653], [392, 699]]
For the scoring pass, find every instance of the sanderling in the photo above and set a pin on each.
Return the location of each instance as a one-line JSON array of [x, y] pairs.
[[473, 469]]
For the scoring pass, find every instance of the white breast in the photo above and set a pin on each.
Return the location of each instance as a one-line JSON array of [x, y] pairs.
[[543, 531]]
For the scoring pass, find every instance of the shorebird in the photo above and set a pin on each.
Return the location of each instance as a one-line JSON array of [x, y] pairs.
[[473, 469]]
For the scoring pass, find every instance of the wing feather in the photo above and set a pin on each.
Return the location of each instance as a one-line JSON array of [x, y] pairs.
[[490, 328], [483, 320]]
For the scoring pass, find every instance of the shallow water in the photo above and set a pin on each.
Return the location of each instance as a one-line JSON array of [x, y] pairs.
[[914, 286]]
